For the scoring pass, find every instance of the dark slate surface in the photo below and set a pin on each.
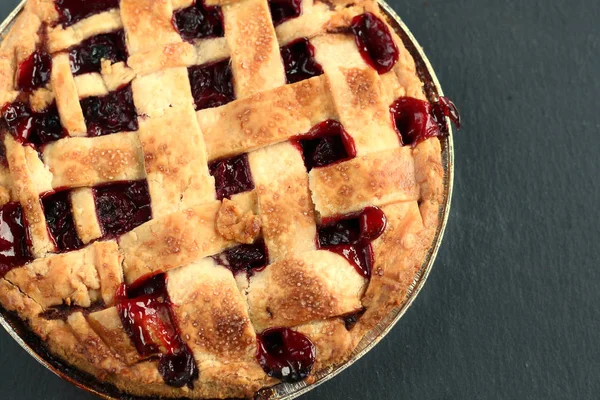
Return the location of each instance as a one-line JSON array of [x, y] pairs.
[[511, 308]]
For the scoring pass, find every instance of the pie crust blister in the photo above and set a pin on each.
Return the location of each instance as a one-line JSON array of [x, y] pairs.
[[203, 200]]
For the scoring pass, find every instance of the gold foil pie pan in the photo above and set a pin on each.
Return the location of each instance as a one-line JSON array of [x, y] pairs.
[[283, 391]]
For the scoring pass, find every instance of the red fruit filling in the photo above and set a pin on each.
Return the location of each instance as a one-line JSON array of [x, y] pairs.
[[326, 143], [350, 236], [28, 126], [299, 62], [285, 354], [57, 209], [282, 10], [212, 84], [121, 207], [374, 42], [416, 120], [199, 21], [112, 113], [232, 176], [147, 316], [14, 245], [88, 55]]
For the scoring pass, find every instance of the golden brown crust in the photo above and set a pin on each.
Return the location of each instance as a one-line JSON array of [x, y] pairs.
[[235, 224], [172, 241], [285, 207], [265, 118], [306, 287], [89, 161], [374, 179]]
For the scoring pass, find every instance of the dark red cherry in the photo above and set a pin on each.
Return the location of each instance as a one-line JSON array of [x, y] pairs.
[[146, 313], [121, 207], [199, 21], [351, 235], [178, 369], [282, 10], [415, 120], [375, 42], [14, 243], [28, 126], [112, 113], [245, 257], [57, 209], [88, 55], [446, 108], [3, 159], [372, 223], [345, 231], [212, 84], [298, 61], [232, 176], [326, 143], [351, 319], [285, 354], [72, 11], [34, 71]]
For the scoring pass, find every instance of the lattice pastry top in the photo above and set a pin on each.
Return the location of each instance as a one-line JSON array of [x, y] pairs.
[[203, 200]]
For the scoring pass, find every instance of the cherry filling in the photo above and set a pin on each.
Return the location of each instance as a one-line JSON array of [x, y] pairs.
[[326, 143], [121, 207], [416, 120], [232, 176], [299, 62], [34, 71], [285, 354], [147, 316], [112, 113], [57, 209], [374, 42], [14, 245], [87, 56], [199, 21], [72, 11], [351, 237], [282, 10], [3, 159], [212, 84], [244, 258], [28, 126]]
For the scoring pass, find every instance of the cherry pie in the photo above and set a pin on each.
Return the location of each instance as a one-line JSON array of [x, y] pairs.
[[203, 199]]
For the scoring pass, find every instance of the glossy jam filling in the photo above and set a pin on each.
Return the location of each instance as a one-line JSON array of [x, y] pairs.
[[87, 56], [3, 159], [416, 120], [350, 320], [199, 21], [282, 10], [72, 11], [112, 113], [14, 246], [285, 354], [34, 71], [298, 60], [212, 84], [146, 313], [350, 236], [326, 143], [28, 126], [374, 42], [121, 207], [59, 217], [232, 176], [245, 258]]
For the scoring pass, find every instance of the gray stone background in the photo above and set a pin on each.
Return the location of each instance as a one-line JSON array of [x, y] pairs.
[[511, 309]]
